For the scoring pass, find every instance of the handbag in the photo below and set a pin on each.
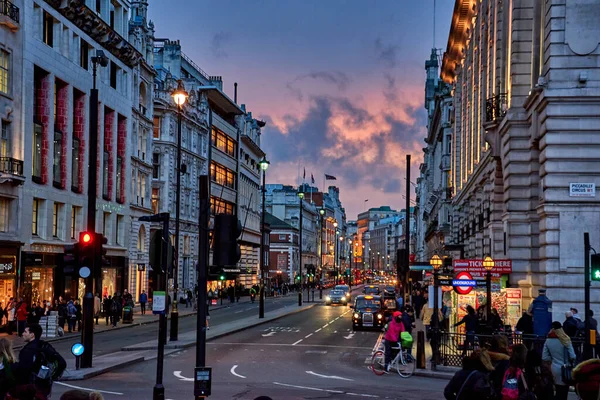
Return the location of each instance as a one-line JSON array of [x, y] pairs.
[[566, 371], [528, 394]]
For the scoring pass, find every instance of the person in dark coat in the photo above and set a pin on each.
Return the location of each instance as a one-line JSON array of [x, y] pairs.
[[407, 319], [472, 381], [499, 355], [471, 324], [570, 325], [107, 306]]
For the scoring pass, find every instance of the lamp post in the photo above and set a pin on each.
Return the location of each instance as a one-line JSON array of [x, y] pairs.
[[436, 263], [488, 264], [301, 198], [336, 255], [350, 249], [340, 250], [179, 96], [322, 214], [264, 164]]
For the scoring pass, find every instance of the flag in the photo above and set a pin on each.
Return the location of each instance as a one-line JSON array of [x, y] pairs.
[[330, 177], [312, 179], [304, 176], [366, 200]]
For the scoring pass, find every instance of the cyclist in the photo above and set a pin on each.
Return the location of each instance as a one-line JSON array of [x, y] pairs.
[[392, 336]]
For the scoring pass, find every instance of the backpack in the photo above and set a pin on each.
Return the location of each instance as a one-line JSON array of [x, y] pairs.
[[71, 311], [510, 384], [580, 328], [48, 365]]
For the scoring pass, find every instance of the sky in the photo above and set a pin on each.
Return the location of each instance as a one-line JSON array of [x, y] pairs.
[[340, 83]]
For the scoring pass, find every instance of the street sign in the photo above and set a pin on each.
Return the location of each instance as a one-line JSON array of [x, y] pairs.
[[159, 302], [582, 190], [77, 349], [475, 267], [464, 282], [467, 287]]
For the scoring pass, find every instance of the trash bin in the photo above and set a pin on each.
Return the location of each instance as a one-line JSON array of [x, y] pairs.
[[127, 315]]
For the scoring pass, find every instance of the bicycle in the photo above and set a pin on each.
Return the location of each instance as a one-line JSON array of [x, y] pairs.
[[403, 362]]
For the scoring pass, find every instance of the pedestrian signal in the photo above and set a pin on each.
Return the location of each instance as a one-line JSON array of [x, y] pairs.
[[595, 267]]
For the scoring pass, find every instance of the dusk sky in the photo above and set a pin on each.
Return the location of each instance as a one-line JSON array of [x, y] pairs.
[[339, 82]]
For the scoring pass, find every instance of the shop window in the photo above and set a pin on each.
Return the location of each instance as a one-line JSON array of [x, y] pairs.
[[109, 282], [4, 71], [4, 214], [42, 282]]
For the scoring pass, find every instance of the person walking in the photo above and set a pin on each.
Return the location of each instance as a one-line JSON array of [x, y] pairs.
[[473, 380], [558, 350], [143, 301], [570, 325], [22, 313], [107, 305], [500, 357], [78, 314], [539, 376], [471, 323], [525, 327], [10, 316], [97, 307], [426, 315], [514, 385], [71, 316], [115, 310], [8, 377], [38, 359]]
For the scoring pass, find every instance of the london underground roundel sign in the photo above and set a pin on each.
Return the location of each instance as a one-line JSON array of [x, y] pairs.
[[466, 286]]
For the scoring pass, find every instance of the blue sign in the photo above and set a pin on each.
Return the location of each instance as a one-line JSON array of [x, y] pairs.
[[464, 282], [77, 349]]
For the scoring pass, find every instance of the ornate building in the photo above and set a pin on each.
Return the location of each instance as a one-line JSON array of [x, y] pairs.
[[526, 98]]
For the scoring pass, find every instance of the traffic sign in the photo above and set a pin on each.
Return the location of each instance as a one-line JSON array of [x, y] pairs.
[[77, 349], [467, 286]]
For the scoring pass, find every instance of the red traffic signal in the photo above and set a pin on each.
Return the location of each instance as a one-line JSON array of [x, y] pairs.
[[86, 238]]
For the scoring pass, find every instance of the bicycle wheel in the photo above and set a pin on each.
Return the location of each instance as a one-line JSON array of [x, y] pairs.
[[406, 365], [378, 363]]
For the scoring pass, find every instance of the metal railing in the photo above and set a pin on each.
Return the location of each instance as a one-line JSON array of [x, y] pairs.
[[496, 107], [10, 10], [195, 66], [9, 165]]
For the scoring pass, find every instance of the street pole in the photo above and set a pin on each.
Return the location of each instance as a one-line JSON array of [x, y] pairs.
[[407, 244], [435, 321], [587, 347], [203, 261], [261, 301], [175, 266], [159, 389], [488, 305], [300, 196]]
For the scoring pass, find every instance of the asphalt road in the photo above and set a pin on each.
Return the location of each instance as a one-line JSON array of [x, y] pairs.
[[312, 354]]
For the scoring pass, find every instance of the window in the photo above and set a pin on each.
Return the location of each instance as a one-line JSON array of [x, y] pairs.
[[74, 220], [56, 219], [143, 178], [156, 165], [112, 19], [282, 237], [119, 178], [156, 132], [113, 75], [106, 224], [4, 71], [119, 231], [37, 152], [75, 152], [105, 175], [35, 216], [186, 245], [5, 150], [222, 175], [48, 29], [98, 7], [84, 54], [223, 142], [56, 170], [155, 200], [220, 206], [4, 212]]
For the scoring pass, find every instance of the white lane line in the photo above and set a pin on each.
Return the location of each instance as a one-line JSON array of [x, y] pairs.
[[307, 336], [308, 387], [268, 334], [329, 376], [295, 343], [237, 312], [181, 377], [249, 309], [318, 330], [350, 335], [324, 326], [362, 395], [326, 346], [232, 370], [88, 390]]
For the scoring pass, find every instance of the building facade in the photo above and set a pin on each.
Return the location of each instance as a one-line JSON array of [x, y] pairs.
[[526, 91], [283, 251]]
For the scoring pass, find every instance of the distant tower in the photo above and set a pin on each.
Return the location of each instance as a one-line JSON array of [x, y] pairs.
[[141, 31], [431, 66]]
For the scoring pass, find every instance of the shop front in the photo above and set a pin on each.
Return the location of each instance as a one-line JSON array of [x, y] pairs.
[[8, 274], [38, 277]]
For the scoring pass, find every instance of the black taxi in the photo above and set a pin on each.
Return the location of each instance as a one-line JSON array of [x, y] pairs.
[[368, 312], [372, 290]]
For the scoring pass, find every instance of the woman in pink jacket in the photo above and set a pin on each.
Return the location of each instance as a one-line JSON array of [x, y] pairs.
[[392, 336]]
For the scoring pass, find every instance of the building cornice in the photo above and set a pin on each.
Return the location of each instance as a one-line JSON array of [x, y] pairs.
[[460, 30]]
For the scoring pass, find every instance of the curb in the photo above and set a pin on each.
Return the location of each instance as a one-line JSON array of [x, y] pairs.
[[91, 374], [433, 374]]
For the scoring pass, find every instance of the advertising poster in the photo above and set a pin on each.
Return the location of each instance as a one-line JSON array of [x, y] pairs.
[[514, 308]]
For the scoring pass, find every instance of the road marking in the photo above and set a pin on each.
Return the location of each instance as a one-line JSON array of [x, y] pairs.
[[329, 376], [361, 395], [181, 377], [295, 343], [88, 390], [307, 336], [327, 346], [237, 312], [268, 334], [316, 352], [318, 330], [249, 309], [350, 335], [324, 326], [309, 388], [232, 370]]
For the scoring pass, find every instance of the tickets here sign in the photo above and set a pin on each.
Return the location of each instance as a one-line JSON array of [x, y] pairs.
[[476, 269]]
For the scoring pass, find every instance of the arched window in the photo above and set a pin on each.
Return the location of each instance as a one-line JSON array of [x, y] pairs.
[[141, 244]]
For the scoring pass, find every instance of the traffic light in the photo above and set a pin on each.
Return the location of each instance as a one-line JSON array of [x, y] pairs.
[[222, 276], [226, 250], [595, 267], [100, 241], [86, 250], [70, 257], [156, 247]]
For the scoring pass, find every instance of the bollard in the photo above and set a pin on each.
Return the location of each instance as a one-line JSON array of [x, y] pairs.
[[320, 293], [421, 364]]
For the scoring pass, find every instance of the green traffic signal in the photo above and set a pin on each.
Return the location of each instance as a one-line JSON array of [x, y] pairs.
[[222, 277], [595, 267]]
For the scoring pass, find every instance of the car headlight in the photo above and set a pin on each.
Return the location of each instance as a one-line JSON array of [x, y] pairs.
[[343, 297], [379, 316], [356, 315], [327, 298]]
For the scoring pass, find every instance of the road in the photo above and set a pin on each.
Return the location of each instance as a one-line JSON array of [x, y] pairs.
[[313, 354]]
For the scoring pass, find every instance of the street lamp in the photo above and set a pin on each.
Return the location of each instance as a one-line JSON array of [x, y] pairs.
[[336, 253], [264, 164], [179, 97], [436, 263], [488, 264], [322, 214], [301, 199]]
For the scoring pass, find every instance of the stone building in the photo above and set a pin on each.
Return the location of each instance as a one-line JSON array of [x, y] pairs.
[[60, 38], [12, 175], [526, 85], [283, 250]]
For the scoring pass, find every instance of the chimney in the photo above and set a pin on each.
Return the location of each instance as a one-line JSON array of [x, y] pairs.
[[235, 92]]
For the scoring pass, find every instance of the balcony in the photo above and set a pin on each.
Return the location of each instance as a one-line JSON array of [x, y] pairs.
[[11, 169], [9, 15], [496, 107]]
